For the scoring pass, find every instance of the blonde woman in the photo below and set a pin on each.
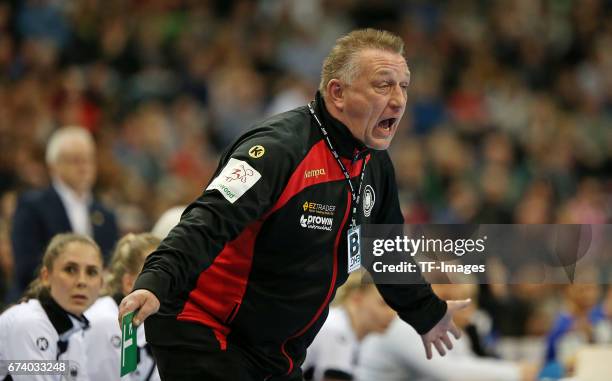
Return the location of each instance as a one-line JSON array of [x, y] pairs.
[[358, 310], [48, 324], [104, 338], [395, 355]]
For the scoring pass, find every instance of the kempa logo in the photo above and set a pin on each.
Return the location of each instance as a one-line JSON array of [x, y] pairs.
[[42, 343], [316, 222], [314, 173], [257, 151]]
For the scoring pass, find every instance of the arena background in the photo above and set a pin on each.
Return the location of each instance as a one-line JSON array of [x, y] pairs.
[[509, 117]]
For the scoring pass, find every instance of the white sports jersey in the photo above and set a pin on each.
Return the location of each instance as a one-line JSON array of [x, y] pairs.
[[29, 331], [399, 355], [335, 348], [103, 341]]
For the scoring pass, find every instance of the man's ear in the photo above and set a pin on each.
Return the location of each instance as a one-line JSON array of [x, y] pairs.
[[335, 93]]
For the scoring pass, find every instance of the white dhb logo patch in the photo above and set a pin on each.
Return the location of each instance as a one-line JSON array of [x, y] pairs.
[[235, 179]]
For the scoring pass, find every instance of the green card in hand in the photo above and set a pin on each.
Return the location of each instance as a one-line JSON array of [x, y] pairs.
[[129, 348]]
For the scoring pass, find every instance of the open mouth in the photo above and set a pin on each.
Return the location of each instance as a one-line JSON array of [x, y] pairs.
[[387, 124]]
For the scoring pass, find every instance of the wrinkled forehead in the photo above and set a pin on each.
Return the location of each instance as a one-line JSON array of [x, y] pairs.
[[378, 62]]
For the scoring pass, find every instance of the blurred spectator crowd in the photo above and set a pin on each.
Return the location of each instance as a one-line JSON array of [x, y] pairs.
[[509, 116]]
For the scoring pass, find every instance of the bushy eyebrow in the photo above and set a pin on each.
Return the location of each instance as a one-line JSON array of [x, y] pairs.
[[387, 72]]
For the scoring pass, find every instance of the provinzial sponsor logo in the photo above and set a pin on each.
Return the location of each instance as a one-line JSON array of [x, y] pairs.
[[316, 222], [314, 173]]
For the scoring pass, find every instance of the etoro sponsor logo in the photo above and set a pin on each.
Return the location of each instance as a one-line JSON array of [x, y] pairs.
[[316, 222], [317, 208], [314, 173]]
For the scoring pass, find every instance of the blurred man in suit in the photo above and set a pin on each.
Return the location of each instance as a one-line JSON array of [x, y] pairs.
[[67, 205]]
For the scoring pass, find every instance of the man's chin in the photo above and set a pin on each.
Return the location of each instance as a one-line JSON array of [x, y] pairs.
[[83, 188], [378, 144]]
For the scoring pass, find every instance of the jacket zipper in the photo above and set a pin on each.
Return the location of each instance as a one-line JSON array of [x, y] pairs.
[[329, 291], [232, 313]]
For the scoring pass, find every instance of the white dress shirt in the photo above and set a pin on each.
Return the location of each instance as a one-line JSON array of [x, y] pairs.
[[77, 207]]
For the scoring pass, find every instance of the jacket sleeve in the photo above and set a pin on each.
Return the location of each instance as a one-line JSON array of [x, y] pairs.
[[248, 181], [22, 340], [415, 303], [28, 241], [458, 365]]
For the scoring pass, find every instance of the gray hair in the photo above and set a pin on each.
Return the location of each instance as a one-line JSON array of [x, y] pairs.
[[58, 139], [341, 62]]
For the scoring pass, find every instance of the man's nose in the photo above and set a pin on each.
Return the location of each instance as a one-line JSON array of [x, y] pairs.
[[398, 99]]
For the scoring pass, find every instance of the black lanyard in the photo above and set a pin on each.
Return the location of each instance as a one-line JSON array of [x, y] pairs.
[[355, 197]]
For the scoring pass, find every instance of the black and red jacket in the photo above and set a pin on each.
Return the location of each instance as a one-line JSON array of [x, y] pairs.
[[261, 270]]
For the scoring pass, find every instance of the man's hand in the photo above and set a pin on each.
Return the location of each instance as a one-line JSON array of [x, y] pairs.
[[438, 335], [142, 300]]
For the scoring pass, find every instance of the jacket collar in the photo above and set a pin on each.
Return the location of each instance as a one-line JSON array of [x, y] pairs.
[[62, 321], [68, 195], [343, 140]]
